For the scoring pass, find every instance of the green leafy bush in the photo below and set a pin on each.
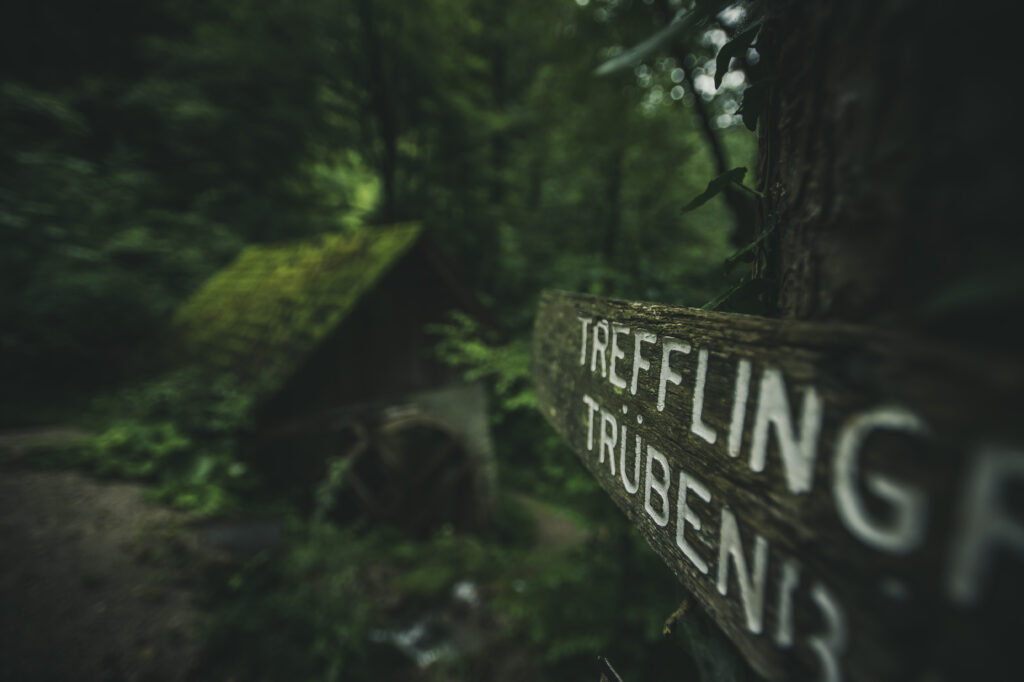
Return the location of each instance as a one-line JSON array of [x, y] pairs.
[[136, 449], [180, 432], [463, 343]]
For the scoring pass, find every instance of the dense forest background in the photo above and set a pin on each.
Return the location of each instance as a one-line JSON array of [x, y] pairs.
[[145, 144]]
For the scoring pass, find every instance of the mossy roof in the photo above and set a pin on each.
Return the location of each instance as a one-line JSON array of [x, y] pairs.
[[263, 314]]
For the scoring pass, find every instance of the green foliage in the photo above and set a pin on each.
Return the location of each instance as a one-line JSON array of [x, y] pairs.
[[735, 49], [327, 492], [716, 186], [746, 251], [189, 396], [746, 296], [142, 148], [535, 458], [683, 23], [600, 578], [180, 432], [303, 616], [136, 450], [507, 365], [755, 99], [317, 611], [185, 474], [309, 613], [684, 26]]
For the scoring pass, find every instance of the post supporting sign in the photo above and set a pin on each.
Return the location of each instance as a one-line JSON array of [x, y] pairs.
[[847, 504]]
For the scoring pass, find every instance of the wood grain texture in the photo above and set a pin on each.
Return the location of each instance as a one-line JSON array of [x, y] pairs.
[[941, 601]]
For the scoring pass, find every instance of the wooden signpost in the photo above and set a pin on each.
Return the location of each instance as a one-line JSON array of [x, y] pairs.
[[846, 504]]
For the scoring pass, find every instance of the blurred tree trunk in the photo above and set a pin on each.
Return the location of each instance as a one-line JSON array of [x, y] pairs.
[[613, 203], [891, 174], [499, 94], [535, 181], [383, 110], [887, 165]]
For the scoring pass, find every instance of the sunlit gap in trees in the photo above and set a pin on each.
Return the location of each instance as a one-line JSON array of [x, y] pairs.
[[733, 83]]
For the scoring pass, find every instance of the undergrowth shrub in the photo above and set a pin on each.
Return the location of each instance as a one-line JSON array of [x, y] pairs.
[[179, 432]]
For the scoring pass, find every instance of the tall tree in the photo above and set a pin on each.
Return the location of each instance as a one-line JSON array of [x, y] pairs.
[[890, 167], [890, 176]]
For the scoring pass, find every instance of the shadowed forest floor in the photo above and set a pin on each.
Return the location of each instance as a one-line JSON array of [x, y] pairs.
[[98, 584], [84, 594], [555, 530]]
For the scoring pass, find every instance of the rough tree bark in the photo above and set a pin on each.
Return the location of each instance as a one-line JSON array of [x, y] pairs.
[[891, 169], [888, 161]]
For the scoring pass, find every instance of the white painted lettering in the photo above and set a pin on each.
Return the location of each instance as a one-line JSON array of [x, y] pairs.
[[686, 517], [984, 522], [639, 361], [631, 488], [592, 407], [658, 485], [789, 580], [609, 437], [739, 407], [905, 531], [617, 354], [669, 345], [751, 585], [798, 454], [622, 444], [697, 424], [585, 322], [599, 347], [830, 645]]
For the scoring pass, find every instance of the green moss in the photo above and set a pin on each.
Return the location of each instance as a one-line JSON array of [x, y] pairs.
[[259, 317]]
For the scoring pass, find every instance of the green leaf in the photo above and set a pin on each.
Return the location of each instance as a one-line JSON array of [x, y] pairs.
[[684, 20], [717, 301], [737, 47], [746, 297], [731, 261], [755, 99], [716, 186]]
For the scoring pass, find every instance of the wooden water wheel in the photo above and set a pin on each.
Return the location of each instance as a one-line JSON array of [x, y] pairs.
[[414, 472]]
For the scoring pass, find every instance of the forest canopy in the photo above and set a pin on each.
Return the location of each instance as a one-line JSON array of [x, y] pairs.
[[146, 144]]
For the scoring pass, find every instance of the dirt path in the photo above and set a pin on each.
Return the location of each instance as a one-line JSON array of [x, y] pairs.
[[87, 588], [555, 529]]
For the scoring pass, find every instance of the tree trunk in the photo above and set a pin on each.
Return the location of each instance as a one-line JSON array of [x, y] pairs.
[[613, 203], [499, 87], [890, 171], [382, 110], [877, 156]]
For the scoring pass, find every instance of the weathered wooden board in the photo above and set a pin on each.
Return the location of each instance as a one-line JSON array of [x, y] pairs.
[[847, 504]]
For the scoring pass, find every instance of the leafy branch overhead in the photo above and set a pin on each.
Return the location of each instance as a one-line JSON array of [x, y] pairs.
[[718, 185], [684, 24], [735, 49], [689, 24]]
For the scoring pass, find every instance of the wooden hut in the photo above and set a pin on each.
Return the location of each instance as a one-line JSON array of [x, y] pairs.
[[329, 337]]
